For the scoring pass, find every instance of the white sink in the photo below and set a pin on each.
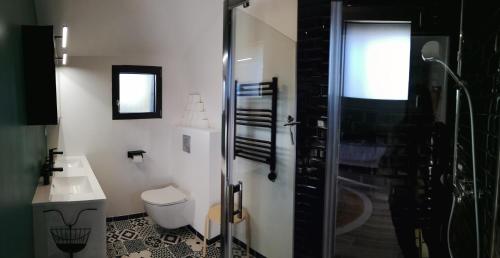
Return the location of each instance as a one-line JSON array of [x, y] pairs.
[[75, 183], [70, 163], [70, 191], [70, 185]]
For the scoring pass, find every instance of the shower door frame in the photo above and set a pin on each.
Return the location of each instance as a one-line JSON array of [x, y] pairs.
[[335, 79], [228, 125]]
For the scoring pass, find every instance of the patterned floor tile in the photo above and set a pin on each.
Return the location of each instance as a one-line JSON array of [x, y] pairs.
[[116, 249], [195, 244], [135, 245], [141, 238], [128, 234], [123, 224], [181, 249], [170, 238], [163, 252], [148, 230], [183, 232], [195, 255], [112, 236], [213, 251], [152, 242], [110, 226], [141, 254], [139, 222]]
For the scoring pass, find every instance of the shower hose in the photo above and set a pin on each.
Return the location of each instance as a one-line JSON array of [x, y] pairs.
[[474, 174]]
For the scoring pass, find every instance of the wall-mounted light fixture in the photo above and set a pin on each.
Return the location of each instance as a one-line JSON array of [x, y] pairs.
[[64, 37], [64, 45], [65, 59]]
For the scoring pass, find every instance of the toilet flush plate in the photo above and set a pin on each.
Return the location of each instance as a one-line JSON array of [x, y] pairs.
[[186, 143]]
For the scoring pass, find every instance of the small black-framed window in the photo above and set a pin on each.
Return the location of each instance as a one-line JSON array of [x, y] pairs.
[[136, 92]]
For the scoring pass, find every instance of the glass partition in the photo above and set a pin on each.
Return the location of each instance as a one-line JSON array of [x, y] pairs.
[[393, 152]]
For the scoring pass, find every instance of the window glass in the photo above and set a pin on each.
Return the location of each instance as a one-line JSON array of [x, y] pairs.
[[137, 93], [377, 60]]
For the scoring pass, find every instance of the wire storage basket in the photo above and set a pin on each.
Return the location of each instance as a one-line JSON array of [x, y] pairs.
[[68, 239]]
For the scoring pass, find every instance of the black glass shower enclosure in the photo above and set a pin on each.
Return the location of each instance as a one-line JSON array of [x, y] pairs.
[[367, 172]]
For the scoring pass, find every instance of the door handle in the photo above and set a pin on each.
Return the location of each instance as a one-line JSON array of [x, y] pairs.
[[240, 200], [291, 122], [232, 190]]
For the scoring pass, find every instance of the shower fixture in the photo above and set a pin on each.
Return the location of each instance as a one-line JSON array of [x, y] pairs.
[[430, 53], [235, 3]]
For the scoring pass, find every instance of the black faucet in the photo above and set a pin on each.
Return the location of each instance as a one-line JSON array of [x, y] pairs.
[[52, 153], [48, 167]]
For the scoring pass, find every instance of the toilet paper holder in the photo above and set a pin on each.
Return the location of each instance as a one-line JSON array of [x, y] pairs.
[[131, 154]]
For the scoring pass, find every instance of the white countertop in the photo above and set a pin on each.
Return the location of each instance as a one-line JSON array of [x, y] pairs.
[[76, 168]]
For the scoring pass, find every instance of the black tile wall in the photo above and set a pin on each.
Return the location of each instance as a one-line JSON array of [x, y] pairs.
[[481, 68], [312, 89]]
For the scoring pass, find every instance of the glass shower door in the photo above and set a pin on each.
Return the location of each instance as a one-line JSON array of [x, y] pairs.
[[393, 156], [261, 135]]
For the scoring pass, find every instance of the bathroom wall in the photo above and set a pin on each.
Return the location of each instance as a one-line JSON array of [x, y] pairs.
[[23, 148], [312, 88], [86, 127], [184, 37], [481, 69], [272, 53], [278, 14], [197, 171]]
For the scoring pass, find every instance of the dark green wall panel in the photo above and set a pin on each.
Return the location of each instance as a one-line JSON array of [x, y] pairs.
[[22, 148]]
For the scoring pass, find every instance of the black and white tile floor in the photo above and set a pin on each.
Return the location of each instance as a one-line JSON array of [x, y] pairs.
[[141, 238]]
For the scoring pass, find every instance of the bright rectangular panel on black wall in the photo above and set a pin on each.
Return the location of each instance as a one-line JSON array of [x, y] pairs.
[[39, 75]]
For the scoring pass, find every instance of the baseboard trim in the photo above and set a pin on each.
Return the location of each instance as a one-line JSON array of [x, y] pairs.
[[125, 217], [198, 234]]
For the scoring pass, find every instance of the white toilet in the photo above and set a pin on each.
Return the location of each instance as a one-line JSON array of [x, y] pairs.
[[168, 207]]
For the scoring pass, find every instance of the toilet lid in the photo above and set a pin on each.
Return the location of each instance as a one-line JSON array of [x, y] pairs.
[[164, 196]]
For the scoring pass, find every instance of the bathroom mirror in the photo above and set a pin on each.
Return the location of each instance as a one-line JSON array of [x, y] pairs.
[[136, 92]]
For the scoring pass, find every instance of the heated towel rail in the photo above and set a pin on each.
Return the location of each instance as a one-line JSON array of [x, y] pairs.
[[250, 148]]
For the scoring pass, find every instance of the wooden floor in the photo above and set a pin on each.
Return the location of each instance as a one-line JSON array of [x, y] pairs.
[[374, 239]]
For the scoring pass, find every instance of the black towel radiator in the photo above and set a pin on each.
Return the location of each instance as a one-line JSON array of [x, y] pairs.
[[258, 150]]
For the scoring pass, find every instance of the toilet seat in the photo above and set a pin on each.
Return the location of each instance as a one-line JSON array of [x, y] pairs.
[[164, 196]]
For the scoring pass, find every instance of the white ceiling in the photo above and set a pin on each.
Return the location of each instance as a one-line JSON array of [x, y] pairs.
[[280, 14], [150, 27], [130, 27]]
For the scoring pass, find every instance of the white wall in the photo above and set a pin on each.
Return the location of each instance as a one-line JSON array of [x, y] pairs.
[[86, 127], [184, 37], [279, 14], [270, 204], [198, 172]]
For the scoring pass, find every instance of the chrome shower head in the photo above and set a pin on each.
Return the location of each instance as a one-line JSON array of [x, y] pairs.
[[430, 51]]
